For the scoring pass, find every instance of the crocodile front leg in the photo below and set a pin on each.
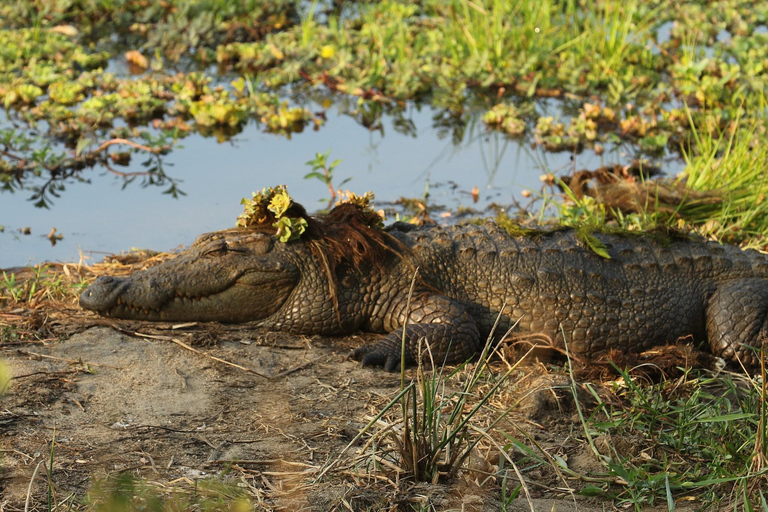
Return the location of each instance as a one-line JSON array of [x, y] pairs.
[[446, 326]]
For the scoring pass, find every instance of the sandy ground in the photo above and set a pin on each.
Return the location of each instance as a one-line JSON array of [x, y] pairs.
[[165, 409]]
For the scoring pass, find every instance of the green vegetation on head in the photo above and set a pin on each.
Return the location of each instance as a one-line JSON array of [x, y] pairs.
[[274, 207]]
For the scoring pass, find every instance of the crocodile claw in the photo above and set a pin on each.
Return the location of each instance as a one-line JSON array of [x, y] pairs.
[[372, 355]]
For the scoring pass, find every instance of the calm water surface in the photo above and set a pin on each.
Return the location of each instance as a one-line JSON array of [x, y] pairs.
[[102, 217]]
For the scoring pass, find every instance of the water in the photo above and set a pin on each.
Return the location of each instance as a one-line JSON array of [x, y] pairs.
[[101, 217]]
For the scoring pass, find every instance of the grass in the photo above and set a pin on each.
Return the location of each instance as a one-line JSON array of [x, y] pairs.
[[696, 436], [40, 285], [436, 431], [735, 158], [431, 446], [720, 193], [439, 431], [498, 35], [699, 438]]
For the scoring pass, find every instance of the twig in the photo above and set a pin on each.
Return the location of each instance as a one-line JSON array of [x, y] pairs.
[[504, 454], [31, 481], [330, 464], [11, 155], [71, 362], [63, 372], [127, 142], [375, 476], [126, 174], [191, 349], [264, 462], [11, 450], [294, 369]]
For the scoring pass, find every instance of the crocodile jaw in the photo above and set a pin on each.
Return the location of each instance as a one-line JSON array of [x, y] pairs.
[[243, 300], [227, 276]]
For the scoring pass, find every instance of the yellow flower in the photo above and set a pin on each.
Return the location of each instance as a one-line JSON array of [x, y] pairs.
[[327, 51], [280, 203]]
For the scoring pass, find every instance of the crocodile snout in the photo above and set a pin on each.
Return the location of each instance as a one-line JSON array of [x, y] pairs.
[[102, 294]]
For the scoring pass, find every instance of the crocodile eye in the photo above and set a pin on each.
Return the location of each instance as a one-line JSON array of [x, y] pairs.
[[258, 243], [262, 244], [218, 247]]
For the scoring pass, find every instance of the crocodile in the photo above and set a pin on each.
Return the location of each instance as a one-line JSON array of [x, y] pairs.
[[472, 280]]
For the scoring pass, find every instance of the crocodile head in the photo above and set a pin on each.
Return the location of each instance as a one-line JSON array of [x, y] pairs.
[[234, 275]]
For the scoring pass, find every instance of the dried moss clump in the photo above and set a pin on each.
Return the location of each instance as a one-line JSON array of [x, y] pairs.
[[364, 203]]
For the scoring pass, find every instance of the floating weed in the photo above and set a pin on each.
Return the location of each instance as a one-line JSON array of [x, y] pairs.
[[505, 117], [286, 120], [625, 66], [47, 75], [274, 207], [208, 112]]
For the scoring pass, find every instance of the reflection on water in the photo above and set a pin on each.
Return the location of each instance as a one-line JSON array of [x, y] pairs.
[[406, 153]]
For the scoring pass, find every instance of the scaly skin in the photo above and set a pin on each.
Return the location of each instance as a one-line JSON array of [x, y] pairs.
[[646, 294]]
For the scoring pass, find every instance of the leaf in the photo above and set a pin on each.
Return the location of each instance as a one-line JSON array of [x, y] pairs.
[[82, 144], [65, 30], [596, 245], [279, 203], [289, 228], [137, 59]]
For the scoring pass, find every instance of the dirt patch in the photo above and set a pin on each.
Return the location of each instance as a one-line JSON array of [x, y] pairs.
[[176, 411], [119, 403]]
